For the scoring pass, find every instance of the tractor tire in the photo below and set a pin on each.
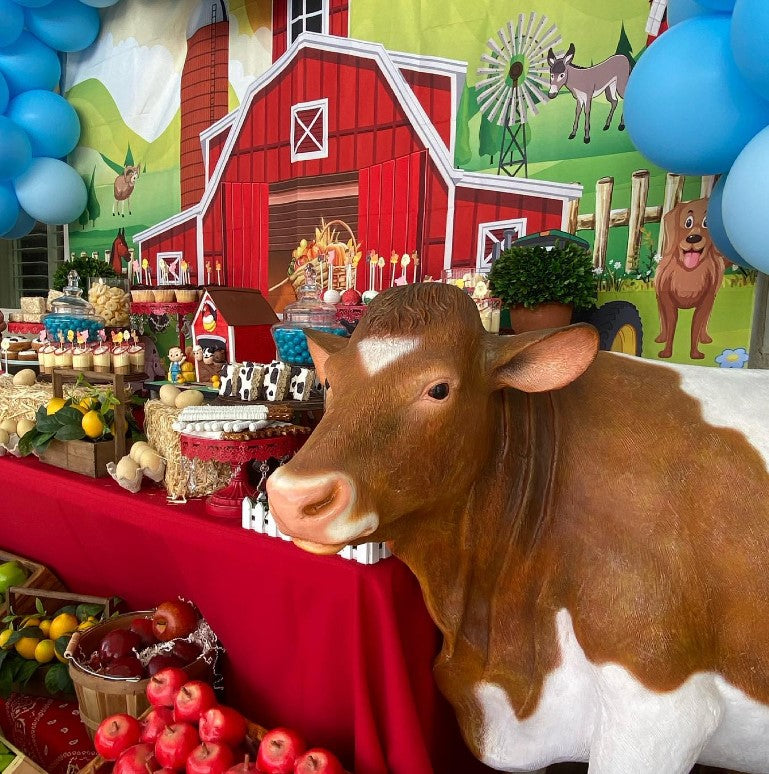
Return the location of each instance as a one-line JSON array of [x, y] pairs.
[[619, 327]]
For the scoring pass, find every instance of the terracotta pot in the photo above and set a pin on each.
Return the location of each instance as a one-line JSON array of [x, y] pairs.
[[550, 315]]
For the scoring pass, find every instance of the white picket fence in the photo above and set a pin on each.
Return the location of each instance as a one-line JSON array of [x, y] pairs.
[[258, 519]]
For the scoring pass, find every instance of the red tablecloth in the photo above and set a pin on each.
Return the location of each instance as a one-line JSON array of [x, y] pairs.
[[339, 650]]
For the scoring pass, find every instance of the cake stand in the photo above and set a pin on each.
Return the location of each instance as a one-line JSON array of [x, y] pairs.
[[227, 503]]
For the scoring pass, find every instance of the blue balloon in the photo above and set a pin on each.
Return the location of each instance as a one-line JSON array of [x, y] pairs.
[[687, 108], [9, 207], [32, 3], [716, 225], [11, 22], [51, 191], [680, 10], [720, 6], [50, 122], [15, 149], [750, 31], [746, 202], [23, 225], [100, 3], [4, 95], [29, 64], [66, 25]]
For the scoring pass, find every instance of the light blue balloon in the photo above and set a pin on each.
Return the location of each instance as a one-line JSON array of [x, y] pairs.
[[681, 10], [687, 108], [716, 225], [29, 64], [100, 3], [746, 202], [50, 122], [11, 22], [9, 207], [51, 191], [66, 25], [23, 225], [15, 149], [4, 95], [720, 6], [750, 32]]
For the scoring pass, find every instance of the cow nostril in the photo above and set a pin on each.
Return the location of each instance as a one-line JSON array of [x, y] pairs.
[[313, 509], [326, 504]]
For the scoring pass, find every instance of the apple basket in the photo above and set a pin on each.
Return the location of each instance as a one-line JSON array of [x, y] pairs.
[[98, 695]]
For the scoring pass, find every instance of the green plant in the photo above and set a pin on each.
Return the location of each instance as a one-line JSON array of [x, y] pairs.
[[529, 276], [85, 266]]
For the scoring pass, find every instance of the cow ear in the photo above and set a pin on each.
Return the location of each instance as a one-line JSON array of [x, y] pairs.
[[321, 345], [540, 361]]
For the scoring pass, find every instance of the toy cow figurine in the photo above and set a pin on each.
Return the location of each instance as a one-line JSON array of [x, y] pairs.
[[590, 530]]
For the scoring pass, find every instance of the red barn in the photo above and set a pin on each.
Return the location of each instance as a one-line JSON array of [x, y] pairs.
[[342, 128]]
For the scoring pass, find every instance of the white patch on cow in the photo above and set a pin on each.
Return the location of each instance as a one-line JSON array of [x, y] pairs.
[[345, 530], [605, 715], [378, 353]]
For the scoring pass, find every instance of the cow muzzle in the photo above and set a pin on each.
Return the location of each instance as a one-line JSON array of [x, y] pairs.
[[316, 511]]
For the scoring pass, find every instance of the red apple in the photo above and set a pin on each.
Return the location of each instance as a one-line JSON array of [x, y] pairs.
[[154, 722], [318, 761], [210, 758], [143, 627], [163, 661], [222, 724], [125, 666], [175, 744], [163, 686], [193, 699], [279, 750], [174, 619], [118, 643], [115, 734], [187, 652], [243, 768], [135, 760]]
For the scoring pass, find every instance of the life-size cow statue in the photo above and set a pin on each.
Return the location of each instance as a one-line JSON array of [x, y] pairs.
[[591, 531]]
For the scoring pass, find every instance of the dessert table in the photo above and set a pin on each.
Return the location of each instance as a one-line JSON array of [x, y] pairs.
[[339, 650]]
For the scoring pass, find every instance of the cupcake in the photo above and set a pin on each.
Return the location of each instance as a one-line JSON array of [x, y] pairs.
[[47, 358], [63, 357], [186, 295], [82, 359], [102, 359], [164, 296], [121, 360], [136, 356], [142, 295]]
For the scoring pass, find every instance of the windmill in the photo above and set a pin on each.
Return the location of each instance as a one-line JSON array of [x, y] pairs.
[[516, 80]]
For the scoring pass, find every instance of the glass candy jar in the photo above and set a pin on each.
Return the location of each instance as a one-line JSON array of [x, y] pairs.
[[308, 311], [71, 312], [111, 298]]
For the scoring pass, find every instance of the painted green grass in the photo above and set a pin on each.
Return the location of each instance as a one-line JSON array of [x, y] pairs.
[[729, 324]]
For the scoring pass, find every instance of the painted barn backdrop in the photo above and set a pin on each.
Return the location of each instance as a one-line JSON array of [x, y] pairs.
[[245, 122]]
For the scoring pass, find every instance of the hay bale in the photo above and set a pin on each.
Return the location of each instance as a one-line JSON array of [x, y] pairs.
[[184, 477], [22, 402]]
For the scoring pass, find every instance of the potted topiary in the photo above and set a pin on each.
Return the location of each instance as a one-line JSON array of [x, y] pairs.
[[542, 286]]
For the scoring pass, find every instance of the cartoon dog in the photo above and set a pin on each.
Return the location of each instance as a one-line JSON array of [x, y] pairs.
[[689, 275]]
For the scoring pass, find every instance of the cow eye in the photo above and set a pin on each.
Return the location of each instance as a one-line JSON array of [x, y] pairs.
[[327, 385], [439, 391]]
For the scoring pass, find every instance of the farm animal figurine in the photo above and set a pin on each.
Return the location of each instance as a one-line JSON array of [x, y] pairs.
[[176, 357], [123, 188], [119, 251], [585, 83], [689, 275], [602, 590]]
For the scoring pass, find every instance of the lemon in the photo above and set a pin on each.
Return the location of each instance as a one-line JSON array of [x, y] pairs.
[[60, 657], [30, 620], [87, 404], [85, 626], [65, 623], [92, 425], [45, 626], [44, 652], [25, 647], [54, 405], [4, 636]]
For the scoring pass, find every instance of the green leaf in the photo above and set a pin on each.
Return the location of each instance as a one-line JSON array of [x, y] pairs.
[[60, 644], [69, 416], [4, 654], [10, 618], [70, 433], [57, 679], [66, 609], [25, 671], [39, 606], [48, 424], [27, 631], [42, 442], [84, 610]]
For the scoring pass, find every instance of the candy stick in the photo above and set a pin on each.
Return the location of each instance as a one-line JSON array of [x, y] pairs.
[[415, 261], [372, 263], [184, 278], [60, 337], [218, 273], [348, 276], [381, 264], [393, 263], [330, 258], [208, 272]]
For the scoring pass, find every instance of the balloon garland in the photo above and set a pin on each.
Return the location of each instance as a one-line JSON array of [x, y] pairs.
[[697, 103], [39, 128]]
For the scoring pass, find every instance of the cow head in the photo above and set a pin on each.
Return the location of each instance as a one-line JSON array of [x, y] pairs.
[[413, 403], [559, 73]]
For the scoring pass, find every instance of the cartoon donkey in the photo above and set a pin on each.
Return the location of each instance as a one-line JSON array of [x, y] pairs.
[[124, 187], [584, 83]]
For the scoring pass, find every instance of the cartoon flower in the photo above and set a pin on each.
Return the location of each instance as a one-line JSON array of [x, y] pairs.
[[617, 265], [733, 358]]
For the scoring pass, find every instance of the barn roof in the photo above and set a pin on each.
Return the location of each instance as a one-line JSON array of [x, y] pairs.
[[240, 306]]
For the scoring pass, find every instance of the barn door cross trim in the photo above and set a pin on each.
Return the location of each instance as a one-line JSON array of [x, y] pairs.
[[309, 130]]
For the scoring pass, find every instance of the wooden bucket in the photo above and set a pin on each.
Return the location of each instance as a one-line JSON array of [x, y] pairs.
[[100, 696]]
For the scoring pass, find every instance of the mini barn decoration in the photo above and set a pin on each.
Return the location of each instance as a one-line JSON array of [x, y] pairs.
[[233, 325], [342, 128]]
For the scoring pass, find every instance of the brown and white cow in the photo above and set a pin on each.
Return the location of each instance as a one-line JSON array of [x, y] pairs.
[[591, 531]]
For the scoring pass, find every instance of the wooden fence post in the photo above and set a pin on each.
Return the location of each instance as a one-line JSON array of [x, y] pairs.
[[638, 198], [604, 189], [706, 186], [674, 188], [571, 222]]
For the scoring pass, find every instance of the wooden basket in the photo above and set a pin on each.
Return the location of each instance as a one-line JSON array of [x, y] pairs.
[[99, 696], [40, 578]]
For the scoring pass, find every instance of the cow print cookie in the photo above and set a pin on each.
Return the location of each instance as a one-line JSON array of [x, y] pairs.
[[302, 381], [276, 379], [250, 376], [228, 386]]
